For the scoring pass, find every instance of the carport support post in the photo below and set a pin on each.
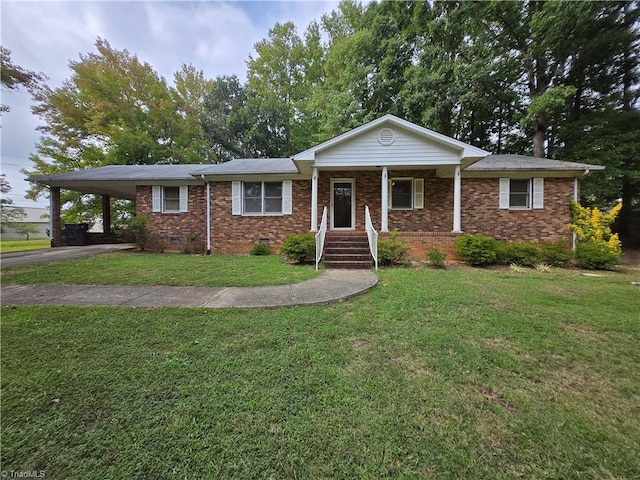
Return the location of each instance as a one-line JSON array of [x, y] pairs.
[[56, 224], [106, 214]]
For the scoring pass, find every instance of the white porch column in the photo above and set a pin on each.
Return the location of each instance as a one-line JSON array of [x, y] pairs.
[[457, 192], [385, 200], [314, 200]]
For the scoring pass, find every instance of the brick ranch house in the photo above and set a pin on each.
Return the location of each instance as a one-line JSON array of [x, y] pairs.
[[427, 186]]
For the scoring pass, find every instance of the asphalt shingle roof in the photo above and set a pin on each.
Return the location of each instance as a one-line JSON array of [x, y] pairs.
[[250, 166], [524, 162], [122, 173]]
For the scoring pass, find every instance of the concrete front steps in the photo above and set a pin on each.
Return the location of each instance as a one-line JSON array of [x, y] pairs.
[[347, 250]]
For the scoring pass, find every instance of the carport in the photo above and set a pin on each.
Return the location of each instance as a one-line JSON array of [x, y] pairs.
[[109, 182]]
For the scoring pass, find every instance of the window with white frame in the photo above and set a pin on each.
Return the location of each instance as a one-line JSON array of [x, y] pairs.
[[402, 193], [170, 199], [406, 193], [521, 193], [261, 198]]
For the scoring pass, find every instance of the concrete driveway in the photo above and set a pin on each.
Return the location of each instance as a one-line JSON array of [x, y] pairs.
[[28, 257]]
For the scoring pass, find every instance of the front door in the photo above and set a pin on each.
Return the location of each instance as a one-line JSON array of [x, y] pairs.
[[343, 204]]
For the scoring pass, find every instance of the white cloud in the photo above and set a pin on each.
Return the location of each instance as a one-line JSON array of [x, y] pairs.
[[216, 37]]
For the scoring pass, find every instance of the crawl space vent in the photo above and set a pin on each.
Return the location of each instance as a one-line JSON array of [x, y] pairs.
[[386, 136]]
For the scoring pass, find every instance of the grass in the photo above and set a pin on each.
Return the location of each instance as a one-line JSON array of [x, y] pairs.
[[135, 268], [458, 373], [7, 246]]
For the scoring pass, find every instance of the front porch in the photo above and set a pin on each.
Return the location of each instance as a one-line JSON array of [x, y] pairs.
[[434, 205]]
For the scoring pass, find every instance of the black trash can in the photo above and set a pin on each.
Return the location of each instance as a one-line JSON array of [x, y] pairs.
[[76, 234]]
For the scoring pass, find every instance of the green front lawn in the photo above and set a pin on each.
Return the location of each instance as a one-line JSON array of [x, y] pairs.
[[135, 268], [463, 373], [7, 246]]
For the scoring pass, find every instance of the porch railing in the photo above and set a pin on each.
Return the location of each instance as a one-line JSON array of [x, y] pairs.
[[322, 231], [372, 235]]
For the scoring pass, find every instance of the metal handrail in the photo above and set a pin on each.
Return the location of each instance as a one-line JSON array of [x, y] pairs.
[[372, 235], [322, 231]]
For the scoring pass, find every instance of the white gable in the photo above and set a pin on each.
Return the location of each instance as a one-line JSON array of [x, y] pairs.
[[387, 146], [388, 141]]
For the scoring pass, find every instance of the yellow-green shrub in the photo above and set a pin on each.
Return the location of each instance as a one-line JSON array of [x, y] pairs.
[[596, 246]]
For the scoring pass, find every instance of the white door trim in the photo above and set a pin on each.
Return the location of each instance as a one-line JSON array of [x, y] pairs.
[[352, 181]]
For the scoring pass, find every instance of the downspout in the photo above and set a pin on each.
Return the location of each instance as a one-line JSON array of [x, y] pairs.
[[208, 252]]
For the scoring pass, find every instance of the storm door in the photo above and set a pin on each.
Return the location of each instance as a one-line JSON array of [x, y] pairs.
[[343, 204]]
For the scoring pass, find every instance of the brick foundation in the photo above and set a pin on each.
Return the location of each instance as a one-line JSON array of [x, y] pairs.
[[419, 243]]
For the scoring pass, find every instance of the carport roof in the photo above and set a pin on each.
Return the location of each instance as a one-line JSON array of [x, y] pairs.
[[118, 181]]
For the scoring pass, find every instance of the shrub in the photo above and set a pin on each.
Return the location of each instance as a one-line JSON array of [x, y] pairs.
[[595, 255], [542, 267], [392, 251], [436, 257], [519, 253], [515, 268], [300, 248], [156, 243], [596, 246], [189, 242], [476, 250], [557, 254], [138, 227], [264, 249]]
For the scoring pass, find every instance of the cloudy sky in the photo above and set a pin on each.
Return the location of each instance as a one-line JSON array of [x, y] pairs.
[[216, 37]]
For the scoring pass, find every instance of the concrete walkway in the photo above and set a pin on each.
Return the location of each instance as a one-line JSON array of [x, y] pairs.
[[330, 286]]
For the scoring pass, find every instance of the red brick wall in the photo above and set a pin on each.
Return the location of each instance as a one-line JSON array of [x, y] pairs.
[[421, 229], [480, 212], [172, 229], [238, 234], [436, 216]]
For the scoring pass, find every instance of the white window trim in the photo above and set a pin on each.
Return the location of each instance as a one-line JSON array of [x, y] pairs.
[[237, 199], [536, 194], [157, 194], [417, 193]]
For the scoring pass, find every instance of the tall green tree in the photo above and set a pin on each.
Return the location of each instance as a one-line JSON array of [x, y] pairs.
[[13, 76], [280, 79], [226, 120], [9, 213], [115, 110], [190, 143], [341, 98]]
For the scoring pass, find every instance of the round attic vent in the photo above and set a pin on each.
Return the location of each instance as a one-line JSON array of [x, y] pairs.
[[386, 136]]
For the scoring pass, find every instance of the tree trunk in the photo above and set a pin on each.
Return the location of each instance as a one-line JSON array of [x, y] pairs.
[[625, 217], [539, 130]]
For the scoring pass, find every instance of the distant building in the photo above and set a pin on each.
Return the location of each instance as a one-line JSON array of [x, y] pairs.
[[37, 216]]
